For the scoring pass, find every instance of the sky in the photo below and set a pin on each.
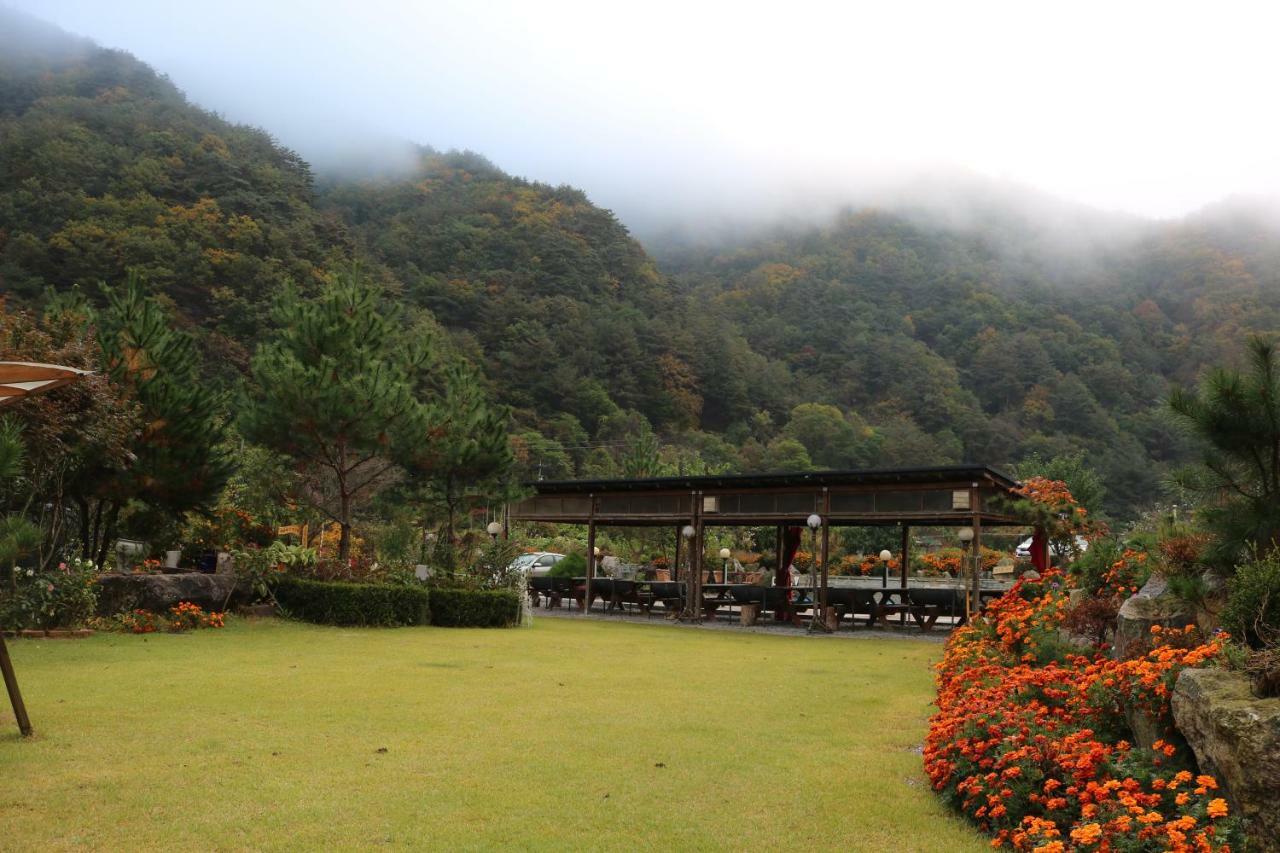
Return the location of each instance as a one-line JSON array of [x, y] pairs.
[[668, 110]]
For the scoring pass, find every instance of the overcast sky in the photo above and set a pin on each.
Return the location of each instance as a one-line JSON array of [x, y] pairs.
[[1149, 108]]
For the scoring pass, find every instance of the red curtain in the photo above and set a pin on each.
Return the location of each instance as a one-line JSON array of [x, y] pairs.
[[1040, 550], [787, 548]]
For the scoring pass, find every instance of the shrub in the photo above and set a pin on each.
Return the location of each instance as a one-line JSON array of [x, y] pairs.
[[572, 566], [474, 608], [62, 597], [338, 603], [1252, 613]]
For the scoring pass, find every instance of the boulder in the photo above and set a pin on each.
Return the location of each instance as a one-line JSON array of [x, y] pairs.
[[1154, 604], [1236, 737], [121, 592]]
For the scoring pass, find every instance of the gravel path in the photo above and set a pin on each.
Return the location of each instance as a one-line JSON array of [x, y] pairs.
[[938, 635]]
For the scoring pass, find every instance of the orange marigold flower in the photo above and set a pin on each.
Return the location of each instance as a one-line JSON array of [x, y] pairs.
[[1217, 807], [1087, 834], [1207, 782]]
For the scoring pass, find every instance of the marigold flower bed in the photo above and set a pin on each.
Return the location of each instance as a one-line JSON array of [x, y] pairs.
[[1031, 740]]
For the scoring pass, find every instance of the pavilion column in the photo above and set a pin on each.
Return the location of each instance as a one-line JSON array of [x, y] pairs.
[[591, 555], [675, 566], [826, 553], [976, 557], [695, 555], [906, 553]]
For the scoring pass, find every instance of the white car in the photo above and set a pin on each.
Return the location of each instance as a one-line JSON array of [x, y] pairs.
[[1024, 550], [535, 564]]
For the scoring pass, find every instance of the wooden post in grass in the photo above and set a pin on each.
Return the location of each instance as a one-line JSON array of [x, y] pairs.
[[20, 379], [15, 695]]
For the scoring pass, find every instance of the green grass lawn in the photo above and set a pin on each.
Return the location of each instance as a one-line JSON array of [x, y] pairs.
[[570, 734]]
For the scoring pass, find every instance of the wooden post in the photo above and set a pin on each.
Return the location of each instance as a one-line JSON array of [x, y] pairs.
[[906, 553], [695, 555], [675, 566], [15, 695], [591, 554], [976, 544], [822, 599]]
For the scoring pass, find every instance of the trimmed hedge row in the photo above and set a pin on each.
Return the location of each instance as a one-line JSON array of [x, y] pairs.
[[330, 603], [474, 608], [333, 603]]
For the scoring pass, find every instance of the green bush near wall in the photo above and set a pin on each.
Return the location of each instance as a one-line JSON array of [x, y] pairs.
[[330, 603], [474, 608]]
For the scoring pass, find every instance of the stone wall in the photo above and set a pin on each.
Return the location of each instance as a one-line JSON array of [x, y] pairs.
[[157, 593], [1236, 737]]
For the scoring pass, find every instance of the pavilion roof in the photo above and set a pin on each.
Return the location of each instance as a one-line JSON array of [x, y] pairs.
[[925, 475]]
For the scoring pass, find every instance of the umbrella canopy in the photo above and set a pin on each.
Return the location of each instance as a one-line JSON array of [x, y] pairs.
[[20, 378]]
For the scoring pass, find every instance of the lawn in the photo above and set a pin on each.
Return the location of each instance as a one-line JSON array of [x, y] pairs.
[[570, 734]]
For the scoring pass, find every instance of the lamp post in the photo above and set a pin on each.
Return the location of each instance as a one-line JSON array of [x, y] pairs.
[[724, 564], [494, 528], [814, 521], [885, 556], [971, 594]]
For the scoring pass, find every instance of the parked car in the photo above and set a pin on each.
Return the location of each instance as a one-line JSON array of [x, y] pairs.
[[536, 564], [1024, 549]]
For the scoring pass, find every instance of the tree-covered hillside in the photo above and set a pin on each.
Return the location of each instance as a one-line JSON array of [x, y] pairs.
[[880, 338]]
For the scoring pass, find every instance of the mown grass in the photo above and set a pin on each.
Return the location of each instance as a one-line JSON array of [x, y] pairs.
[[567, 735]]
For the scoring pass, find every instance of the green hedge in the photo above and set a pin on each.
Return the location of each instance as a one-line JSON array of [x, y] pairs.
[[331, 603], [474, 608]]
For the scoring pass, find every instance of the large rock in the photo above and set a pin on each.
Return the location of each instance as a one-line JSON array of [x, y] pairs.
[[1154, 604], [1236, 737], [157, 593]]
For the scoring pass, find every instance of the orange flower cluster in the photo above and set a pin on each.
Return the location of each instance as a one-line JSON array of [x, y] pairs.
[[184, 616], [952, 561], [1053, 494], [1029, 737]]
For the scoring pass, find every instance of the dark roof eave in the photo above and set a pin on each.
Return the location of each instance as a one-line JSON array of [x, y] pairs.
[[864, 477]]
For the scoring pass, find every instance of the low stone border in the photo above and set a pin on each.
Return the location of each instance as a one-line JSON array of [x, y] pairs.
[[54, 634]]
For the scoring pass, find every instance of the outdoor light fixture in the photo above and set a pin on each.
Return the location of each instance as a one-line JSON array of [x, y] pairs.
[[886, 555], [724, 553], [814, 521], [596, 550], [687, 531], [494, 528], [965, 535]]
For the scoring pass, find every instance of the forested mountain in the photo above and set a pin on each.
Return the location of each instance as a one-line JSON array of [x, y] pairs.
[[882, 337]]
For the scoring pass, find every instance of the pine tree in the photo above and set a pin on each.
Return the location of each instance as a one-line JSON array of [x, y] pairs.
[[177, 464], [332, 391], [463, 445], [1236, 414]]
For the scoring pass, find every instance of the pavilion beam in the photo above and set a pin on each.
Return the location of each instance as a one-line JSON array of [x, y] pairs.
[[695, 555]]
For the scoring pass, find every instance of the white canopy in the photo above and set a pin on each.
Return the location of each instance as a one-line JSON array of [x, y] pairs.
[[20, 378]]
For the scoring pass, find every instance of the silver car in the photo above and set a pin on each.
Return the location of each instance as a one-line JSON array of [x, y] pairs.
[[538, 563]]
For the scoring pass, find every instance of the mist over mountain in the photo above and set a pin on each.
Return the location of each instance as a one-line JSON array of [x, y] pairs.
[[944, 319]]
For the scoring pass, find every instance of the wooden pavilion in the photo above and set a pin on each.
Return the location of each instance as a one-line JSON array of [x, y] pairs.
[[946, 496]]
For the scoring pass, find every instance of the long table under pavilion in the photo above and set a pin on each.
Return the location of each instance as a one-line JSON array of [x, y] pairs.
[[959, 496]]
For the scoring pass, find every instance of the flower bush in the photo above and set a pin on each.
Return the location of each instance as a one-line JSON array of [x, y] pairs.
[[65, 596], [951, 561], [1030, 739], [182, 617]]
